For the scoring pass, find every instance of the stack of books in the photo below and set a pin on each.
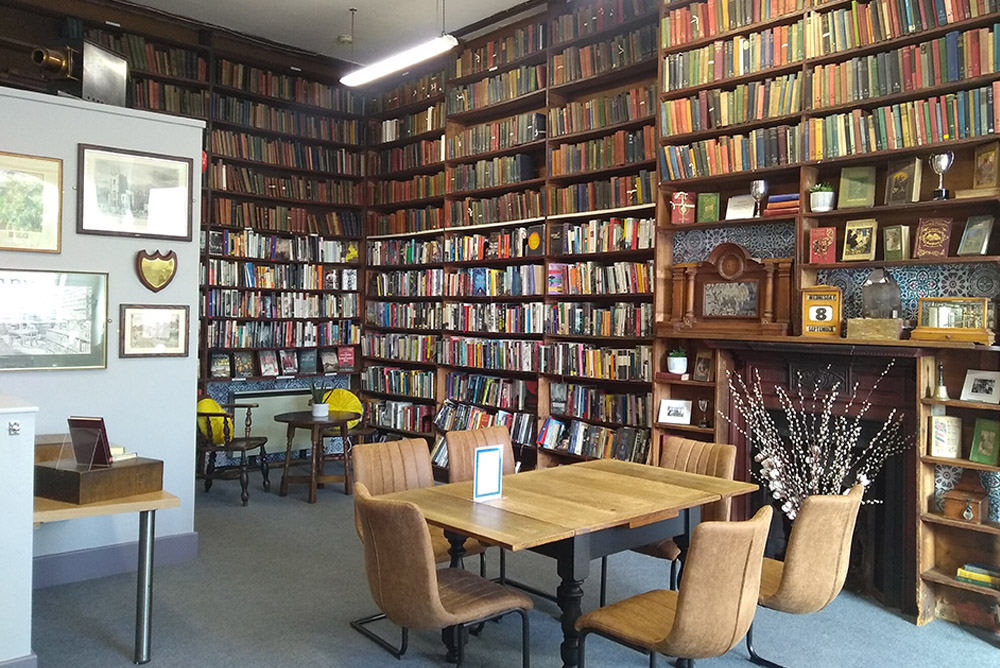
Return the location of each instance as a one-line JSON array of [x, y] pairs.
[[984, 575], [782, 205]]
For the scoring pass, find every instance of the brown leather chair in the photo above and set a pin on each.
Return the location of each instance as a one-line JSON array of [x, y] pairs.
[[712, 610], [816, 559], [685, 454], [235, 447], [414, 594]]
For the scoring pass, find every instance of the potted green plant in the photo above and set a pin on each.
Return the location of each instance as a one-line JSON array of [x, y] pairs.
[[821, 197], [320, 409], [677, 361]]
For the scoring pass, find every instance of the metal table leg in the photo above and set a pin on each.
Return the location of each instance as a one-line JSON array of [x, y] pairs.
[[144, 586]]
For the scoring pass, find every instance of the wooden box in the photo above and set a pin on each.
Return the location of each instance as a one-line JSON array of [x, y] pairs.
[[874, 328], [66, 481], [966, 505]]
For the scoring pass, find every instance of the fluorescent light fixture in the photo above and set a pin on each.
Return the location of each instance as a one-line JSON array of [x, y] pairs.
[[401, 61]]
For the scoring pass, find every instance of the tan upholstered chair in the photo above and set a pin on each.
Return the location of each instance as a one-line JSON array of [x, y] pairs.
[[712, 610], [816, 559], [685, 454], [409, 589]]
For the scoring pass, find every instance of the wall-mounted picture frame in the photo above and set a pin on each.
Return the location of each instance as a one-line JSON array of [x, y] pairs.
[[981, 386], [53, 320], [153, 330], [674, 411], [133, 194], [31, 193]]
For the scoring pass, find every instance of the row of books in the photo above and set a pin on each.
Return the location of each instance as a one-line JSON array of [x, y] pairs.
[[700, 20], [248, 243], [408, 156], [232, 178], [497, 171], [594, 403], [497, 135], [280, 218], [602, 236], [582, 62], [619, 149], [155, 58], [582, 319], [299, 155], [616, 192], [457, 416], [589, 361], [288, 87], [399, 192], [510, 394], [496, 245], [745, 103], [417, 123], [243, 304], [417, 315], [387, 252], [245, 364], [759, 148], [407, 93], [150, 94], [931, 240], [392, 380], [413, 283], [405, 220], [984, 575], [596, 16], [262, 116], [511, 281], [591, 440], [299, 334], [495, 318], [735, 57], [402, 415], [501, 209], [501, 88], [526, 40], [233, 274], [403, 347], [490, 354], [602, 111], [591, 278]]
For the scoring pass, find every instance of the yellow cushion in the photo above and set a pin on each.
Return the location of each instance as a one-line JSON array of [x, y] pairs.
[[219, 425], [344, 400]]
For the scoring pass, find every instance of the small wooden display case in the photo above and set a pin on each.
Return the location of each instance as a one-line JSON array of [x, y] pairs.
[[953, 319]]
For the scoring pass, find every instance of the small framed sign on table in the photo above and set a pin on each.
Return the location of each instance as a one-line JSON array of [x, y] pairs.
[[488, 476]]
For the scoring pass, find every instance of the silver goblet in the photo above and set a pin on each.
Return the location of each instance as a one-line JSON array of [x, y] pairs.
[[703, 407], [758, 190], [941, 163]]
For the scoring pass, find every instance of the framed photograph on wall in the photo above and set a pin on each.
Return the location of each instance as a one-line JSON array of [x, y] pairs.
[[133, 194], [53, 320], [674, 411], [154, 330], [31, 193]]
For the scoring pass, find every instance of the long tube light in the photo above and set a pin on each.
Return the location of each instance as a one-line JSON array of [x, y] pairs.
[[400, 61]]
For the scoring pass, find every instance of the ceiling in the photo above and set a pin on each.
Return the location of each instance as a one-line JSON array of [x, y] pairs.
[[382, 27]]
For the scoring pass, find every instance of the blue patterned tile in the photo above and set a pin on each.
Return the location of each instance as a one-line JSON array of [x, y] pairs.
[[761, 241], [991, 481]]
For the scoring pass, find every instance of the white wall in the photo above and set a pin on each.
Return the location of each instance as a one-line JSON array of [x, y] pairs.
[[148, 403]]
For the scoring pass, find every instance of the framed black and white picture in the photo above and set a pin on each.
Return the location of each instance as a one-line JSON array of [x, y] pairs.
[[156, 330], [982, 386], [674, 411]]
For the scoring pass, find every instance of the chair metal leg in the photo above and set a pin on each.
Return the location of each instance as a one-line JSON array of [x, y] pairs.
[[675, 567], [581, 649], [652, 660], [685, 663], [604, 580], [757, 658], [525, 640], [359, 626]]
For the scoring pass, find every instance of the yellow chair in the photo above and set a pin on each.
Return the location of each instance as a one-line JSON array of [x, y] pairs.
[[216, 434]]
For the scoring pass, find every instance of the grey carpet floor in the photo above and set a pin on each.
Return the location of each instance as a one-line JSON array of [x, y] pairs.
[[275, 584]]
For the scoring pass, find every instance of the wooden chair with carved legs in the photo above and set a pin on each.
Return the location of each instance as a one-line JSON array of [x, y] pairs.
[[216, 434]]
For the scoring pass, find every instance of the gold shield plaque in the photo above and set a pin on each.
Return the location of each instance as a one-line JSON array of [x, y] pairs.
[[155, 270]]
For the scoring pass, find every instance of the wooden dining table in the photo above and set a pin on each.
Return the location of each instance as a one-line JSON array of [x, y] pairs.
[[574, 514]]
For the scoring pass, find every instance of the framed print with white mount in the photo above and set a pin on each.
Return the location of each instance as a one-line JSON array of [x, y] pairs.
[[156, 330], [674, 411], [981, 386], [976, 235], [31, 197], [133, 194]]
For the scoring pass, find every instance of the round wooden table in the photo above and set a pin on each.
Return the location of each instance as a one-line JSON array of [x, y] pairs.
[[317, 427]]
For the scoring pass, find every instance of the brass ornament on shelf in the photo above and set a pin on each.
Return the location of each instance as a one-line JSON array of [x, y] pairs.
[[156, 270]]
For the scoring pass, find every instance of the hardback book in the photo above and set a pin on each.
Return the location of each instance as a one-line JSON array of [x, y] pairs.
[[219, 365], [945, 436], [479, 281], [976, 235], [857, 188], [243, 364], [534, 243], [328, 358], [977, 192], [859, 240], [90, 441], [896, 242], [933, 235], [708, 207], [308, 360], [289, 362], [283, 249], [985, 172], [268, 362], [985, 442], [120, 454], [902, 182], [822, 245], [345, 357], [740, 206], [682, 208]]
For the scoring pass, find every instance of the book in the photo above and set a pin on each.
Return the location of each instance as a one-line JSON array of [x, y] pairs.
[[534, 243], [682, 208], [964, 575], [478, 281], [822, 245], [268, 362], [984, 192], [708, 208], [976, 235], [90, 441], [859, 240], [984, 174], [857, 188], [902, 182], [933, 235], [120, 454], [219, 365], [896, 243], [308, 360], [345, 358], [985, 442], [983, 569], [740, 206], [945, 435], [243, 364], [328, 360], [289, 362]]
